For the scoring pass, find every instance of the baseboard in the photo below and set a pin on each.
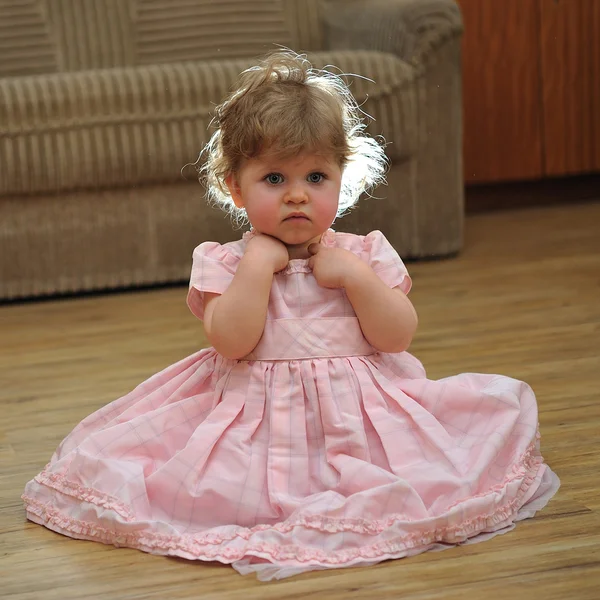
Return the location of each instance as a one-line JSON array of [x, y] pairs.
[[522, 194]]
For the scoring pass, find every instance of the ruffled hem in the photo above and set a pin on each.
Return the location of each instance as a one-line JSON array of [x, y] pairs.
[[61, 484], [238, 544]]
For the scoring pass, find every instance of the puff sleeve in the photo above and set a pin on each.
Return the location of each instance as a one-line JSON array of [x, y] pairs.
[[384, 260], [213, 268]]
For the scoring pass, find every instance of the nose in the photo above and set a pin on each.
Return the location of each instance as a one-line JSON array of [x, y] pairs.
[[296, 194]]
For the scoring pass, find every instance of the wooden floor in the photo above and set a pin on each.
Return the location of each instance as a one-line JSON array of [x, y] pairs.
[[523, 299]]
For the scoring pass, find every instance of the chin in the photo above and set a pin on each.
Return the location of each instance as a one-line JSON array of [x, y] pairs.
[[297, 240]]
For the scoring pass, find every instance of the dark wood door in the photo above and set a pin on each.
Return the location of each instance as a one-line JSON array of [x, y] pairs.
[[570, 60], [502, 90]]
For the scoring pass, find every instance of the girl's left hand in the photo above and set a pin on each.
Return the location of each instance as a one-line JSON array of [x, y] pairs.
[[332, 266]]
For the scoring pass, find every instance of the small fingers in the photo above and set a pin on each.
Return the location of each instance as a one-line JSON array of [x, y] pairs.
[[314, 248]]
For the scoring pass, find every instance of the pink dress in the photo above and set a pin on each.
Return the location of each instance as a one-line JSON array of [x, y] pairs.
[[316, 451]]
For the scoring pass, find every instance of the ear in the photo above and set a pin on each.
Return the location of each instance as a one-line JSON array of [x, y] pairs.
[[234, 190]]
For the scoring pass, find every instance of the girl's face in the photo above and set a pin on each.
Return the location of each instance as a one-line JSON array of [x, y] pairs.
[[294, 200]]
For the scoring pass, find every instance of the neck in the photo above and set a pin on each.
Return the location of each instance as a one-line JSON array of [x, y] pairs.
[[298, 251], [301, 250]]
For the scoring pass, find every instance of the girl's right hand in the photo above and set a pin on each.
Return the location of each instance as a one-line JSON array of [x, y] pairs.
[[268, 250]]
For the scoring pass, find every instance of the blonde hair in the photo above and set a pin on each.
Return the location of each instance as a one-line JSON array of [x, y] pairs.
[[284, 107]]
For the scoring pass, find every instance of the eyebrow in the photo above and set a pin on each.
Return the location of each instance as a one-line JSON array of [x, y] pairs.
[[276, 167]]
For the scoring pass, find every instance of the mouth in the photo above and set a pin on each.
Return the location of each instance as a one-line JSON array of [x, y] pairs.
[[297, 217]]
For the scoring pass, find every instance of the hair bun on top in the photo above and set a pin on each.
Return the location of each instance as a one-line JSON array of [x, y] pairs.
[[280, 66], [285, 107]]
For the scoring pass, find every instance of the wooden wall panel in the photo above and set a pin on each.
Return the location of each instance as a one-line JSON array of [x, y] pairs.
[[501, 78], [570, 58]]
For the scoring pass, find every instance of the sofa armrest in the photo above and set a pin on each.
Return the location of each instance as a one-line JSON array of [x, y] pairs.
[[426, 195], [409, 29]]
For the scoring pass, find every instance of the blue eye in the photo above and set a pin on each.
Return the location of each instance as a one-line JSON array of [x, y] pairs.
[[274, 178], [316, 177]]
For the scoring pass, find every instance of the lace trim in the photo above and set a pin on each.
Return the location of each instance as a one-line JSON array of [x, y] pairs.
[[296, 265], [517, 471], [60, 483], [195, 546]]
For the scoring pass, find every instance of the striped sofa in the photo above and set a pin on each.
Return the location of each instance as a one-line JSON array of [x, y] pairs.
[[102, 102]]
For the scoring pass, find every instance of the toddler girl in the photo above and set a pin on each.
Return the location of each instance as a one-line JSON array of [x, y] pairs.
[[306, 437]]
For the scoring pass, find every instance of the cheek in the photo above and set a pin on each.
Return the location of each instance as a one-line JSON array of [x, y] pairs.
[[326, 208], [262, 209]]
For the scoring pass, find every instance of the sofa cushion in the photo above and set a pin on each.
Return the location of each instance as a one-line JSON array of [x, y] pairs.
[[141, 125], [181, 30], [305, 24], [49, 36], [25, 46]]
